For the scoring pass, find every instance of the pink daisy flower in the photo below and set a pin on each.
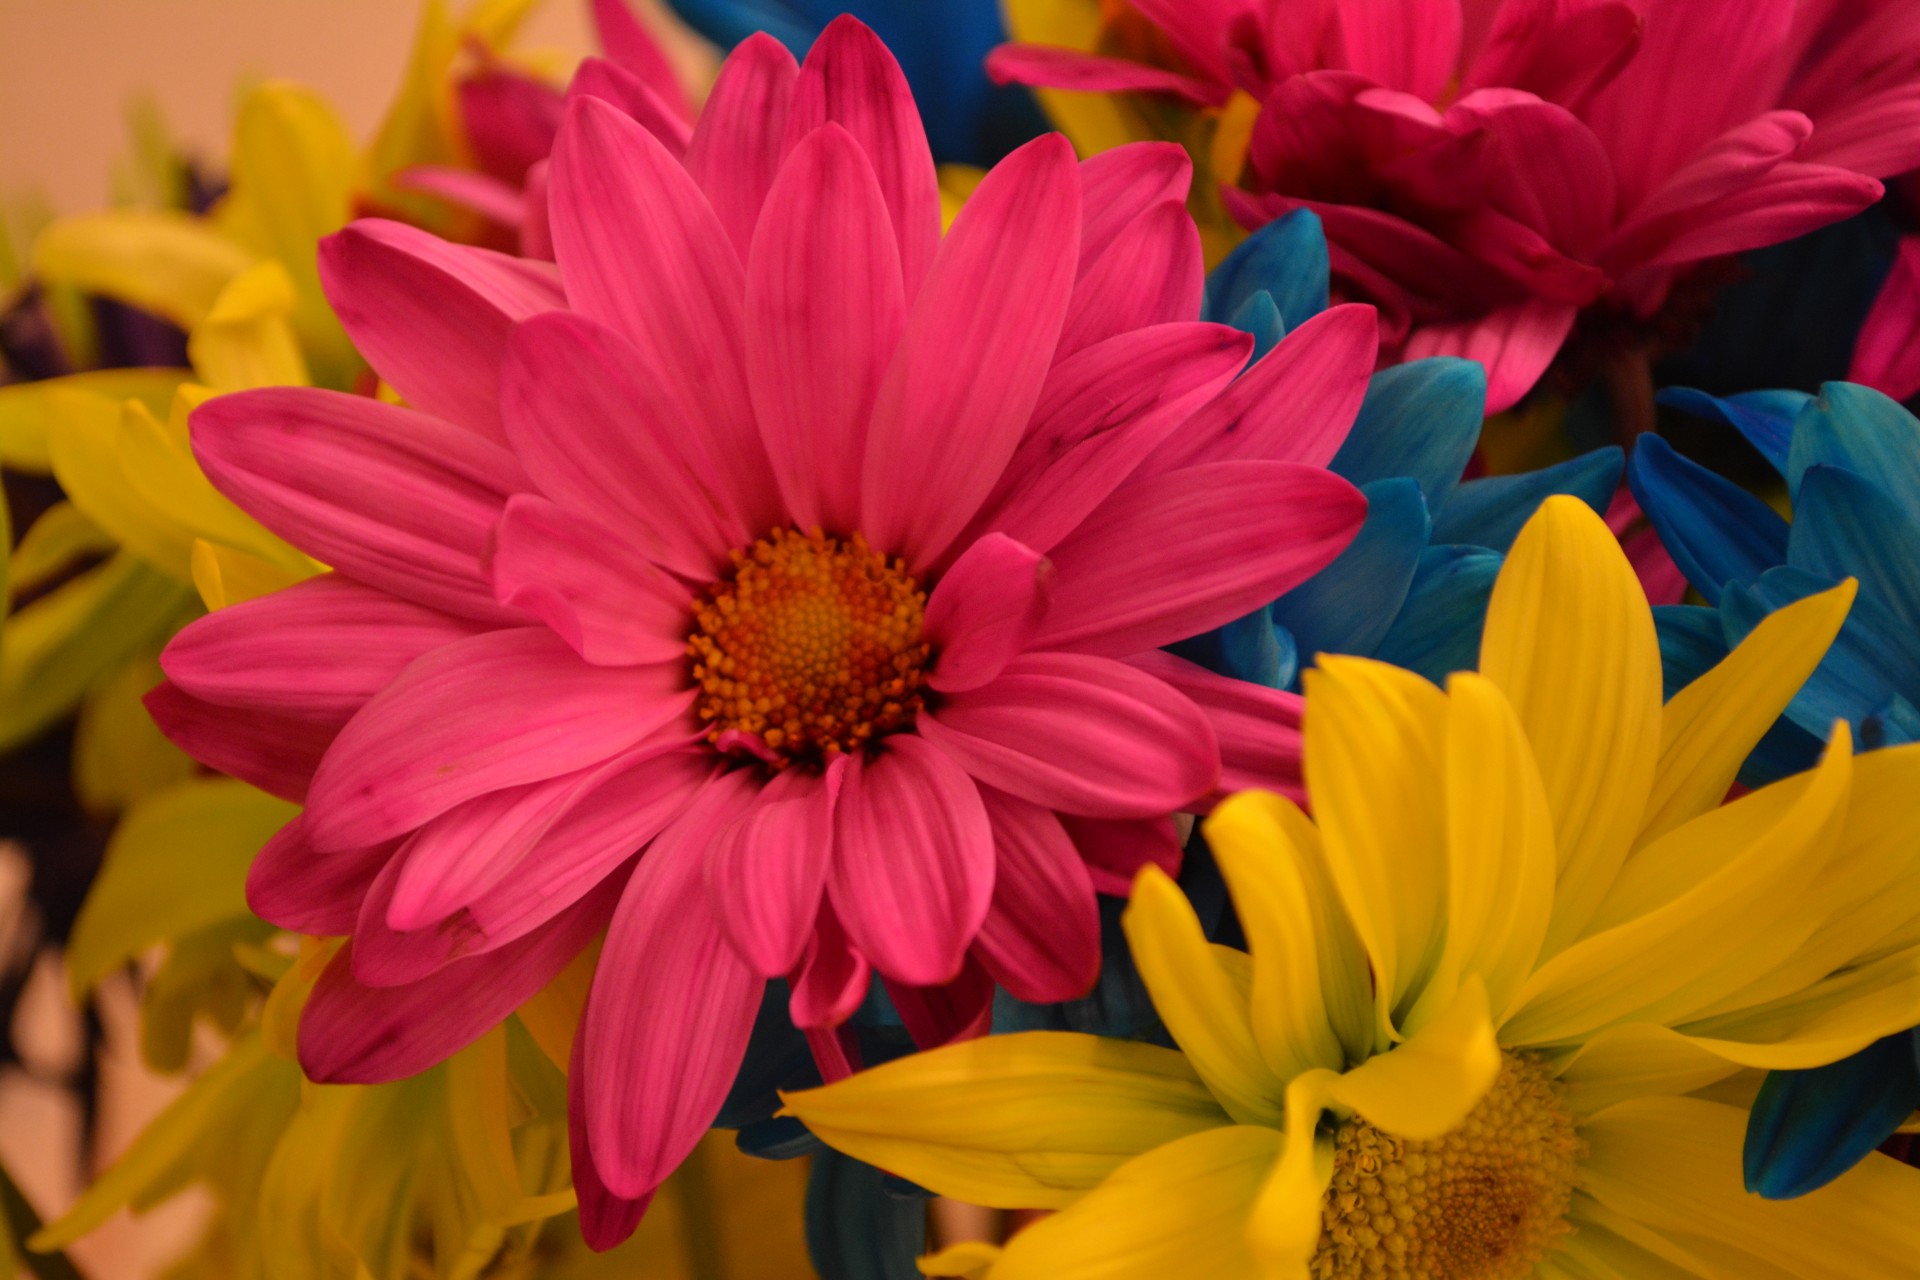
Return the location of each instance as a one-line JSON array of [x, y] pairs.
[[1487, 170], [775, 585]]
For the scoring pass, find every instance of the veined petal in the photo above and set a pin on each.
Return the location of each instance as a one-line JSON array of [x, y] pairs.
[[985, 610], [1152, 274], [1041, 936], [1425, 1087], [1119, 184], [277, 753], [737, 143], [1258, 728], [767, 870]]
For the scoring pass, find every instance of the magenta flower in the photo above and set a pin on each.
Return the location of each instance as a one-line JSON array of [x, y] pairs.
[[817, 559], [1487, 169]]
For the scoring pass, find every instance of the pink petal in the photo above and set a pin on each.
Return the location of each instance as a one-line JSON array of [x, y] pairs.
[[1258, 728], [605, 1219], [985, 610], [498, 202], [599, 437], [598, 78], [643, 251], [949, 1012], [1722, 168], [298, 887], [317, 650], [738, 140], [766, 872], [1195, 28], [599, 594], [391, 498], [1515, 344], [1887, 355], [1115, 849], [627, 41], [509, 118], [851, 78], [1080, 734], [1561, 54], [1543, 166], [1296, 405], [494, 711], [824, 310], [977, 347], [1102, 411], [1790, 201], [1051, 67], [386, 957], [1875, 135], [536, 229], [1041, 937], [355, 1034], [913, 861], [1173, 555], [275, 752], [1119, 185], [671, 1008], [832, 977], [433, 317], [1410, 45], [1152, 274]]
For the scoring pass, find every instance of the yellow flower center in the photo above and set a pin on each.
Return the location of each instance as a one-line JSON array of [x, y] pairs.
[[1486, 1202], [812, 648]]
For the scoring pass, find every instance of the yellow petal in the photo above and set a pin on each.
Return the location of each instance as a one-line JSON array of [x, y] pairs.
[[146, 892], [247, 341], [1311, 1001], [119, 755], [27, 416], [1197, 1001], [51, 547], [1638, 1060], [419, 127], [1373, 760], [1093, 122], [1822, 1023], [160, 467], [280, 1019], [552, 1016], [1500, 853], [1424, 1087], [1710, 727], [1710, 940], [477, 1093], [969, 1260], [1285, 1230], [1032, 1120], [172, 264], [1570, 641], [1606, 1245], [91, 465], [1181, 1209], [1673, 1164], [224, 576]]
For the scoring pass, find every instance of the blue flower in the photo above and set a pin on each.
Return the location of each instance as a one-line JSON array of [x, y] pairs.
[[941, 46], [1850, 461], [1412, 589]]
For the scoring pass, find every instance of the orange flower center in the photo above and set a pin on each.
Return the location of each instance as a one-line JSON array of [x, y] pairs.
[[812, 648]]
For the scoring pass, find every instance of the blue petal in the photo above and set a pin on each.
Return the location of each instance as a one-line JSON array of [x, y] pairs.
[[1260, 316], [781, 1138], [1894, 725], [1247, 649], [1715, 531], [1868, 664], [1863, 431], [1845, 525], [1438, 630], [1489, 512], [1348, 606], [1420, 419], [728, 22], [1809, 1127], [1286, 258], [857, 1227], [1692, 642], [1765, 418]]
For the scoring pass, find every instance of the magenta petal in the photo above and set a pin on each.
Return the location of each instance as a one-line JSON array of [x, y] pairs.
[[1258, 728], [1119, 185], [317, 650], [1114, 849], [496, 201], [952, 1011], [1080, 734], [985, 610], [387, 496], [355, 1034], [1515, 344], [1873, 135], [824, 310], [975, 353], [275, 752], [600, 437], [1887, 355], [1410, 45], [767, 870], [1562, 54], [1103, 410], [298, 887], [671, 1008], [387, 957], [1041, 937], [493, 711], [739, 139], [1152, 274], [1295, 405], [613, 605], [832, 978], [1049, 66], [509, 117], [913, 861], [642, 250], [1157, 562], [851, 78], [605, 1219], [599, 78], [431, 316], [536, 229], [632, 47]]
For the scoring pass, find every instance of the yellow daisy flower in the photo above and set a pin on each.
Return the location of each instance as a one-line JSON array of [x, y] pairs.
[[1508, 993]]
